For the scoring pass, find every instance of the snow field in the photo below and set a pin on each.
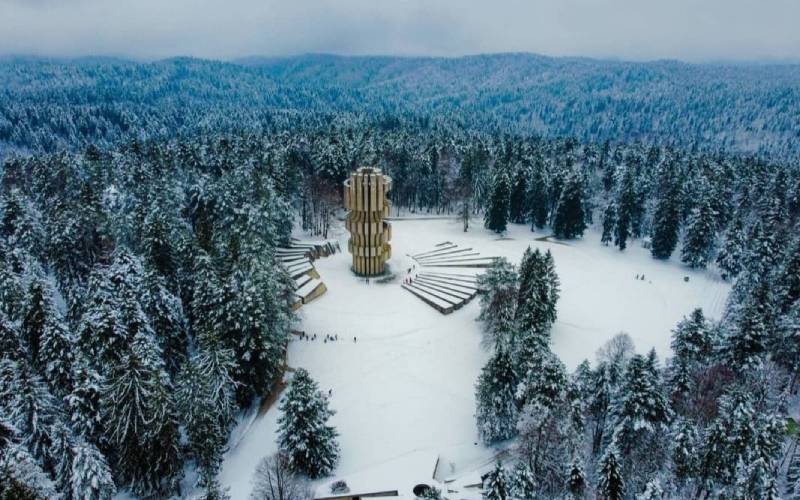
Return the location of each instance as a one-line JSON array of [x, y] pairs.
[[407, 383]]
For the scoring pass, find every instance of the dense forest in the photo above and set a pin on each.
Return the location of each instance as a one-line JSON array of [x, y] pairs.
[[48, 105], [142, 308]]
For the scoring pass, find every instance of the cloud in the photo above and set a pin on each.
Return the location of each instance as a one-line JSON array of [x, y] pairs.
[[693, 30]]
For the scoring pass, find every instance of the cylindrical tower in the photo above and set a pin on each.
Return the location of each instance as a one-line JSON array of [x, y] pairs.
[[365, 196]]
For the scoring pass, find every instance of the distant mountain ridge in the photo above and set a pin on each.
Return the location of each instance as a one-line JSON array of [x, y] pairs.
[[748, 108]]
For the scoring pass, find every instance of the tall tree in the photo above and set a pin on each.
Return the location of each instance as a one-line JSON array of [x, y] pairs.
[[699, 241], [497, 212], [570, 220], [496, 412], [303, 431]]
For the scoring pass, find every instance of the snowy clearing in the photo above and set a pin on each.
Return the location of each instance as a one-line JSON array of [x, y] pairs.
[[407, 383]]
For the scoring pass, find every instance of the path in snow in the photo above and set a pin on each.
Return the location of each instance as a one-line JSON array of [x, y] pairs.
[[408, 382]]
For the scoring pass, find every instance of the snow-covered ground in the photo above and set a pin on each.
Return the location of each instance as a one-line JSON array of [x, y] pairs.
[[407, 383]]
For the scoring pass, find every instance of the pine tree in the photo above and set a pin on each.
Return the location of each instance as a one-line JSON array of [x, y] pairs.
[[698, 243], [22, 478], [641, 406], [692, 345], [12, 294], [731, 255], [793, 474], [691, 339], [652, 491], [165, 314], [684, 450], [140, 420], [30, 407], [157, 243], [576, 480], [499, 301], [206, 400], [517, 203], [496, 484], [522, 485], [496, 412], [90, 475], [610, 485], [83, 402], [63, 453], [609, 223], [497, 214], [303, 430], [569, 220], [36, 310], [537, 195], [56, 353], [788, 278], [787, 345], [666, 219], [538, 293], [626, 207], [746, 341]]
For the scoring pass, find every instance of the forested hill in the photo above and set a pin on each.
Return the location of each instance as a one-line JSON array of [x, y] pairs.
[[50, 105]]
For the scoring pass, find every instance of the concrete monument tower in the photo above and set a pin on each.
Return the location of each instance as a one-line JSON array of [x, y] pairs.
[[365, 196]]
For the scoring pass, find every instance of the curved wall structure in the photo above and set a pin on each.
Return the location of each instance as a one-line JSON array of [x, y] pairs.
[[365, 196]]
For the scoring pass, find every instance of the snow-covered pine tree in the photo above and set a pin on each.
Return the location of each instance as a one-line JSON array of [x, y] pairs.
[[521, 484], [496, 412], [90, 474], [140, 420], [786, 350], [745, 343], [640, 414], [691, 339], [499, 301], [206, 401], [517, 205], [165, 312], [56, 353], [496, 484], [609, 223], [497, 212], [731, 254], [788, 278], [303, 430], [538, 202], [12, 294], [63, 453], [569, 220], [537, 295], [37, 308], [21, 476], [693, 346], [30, 407], [610, 485], [576, 480], [157, 244], [684, 450], [83, 402], [699, 241], [667, 216], [626, 206], [793, 474], [652, 491]]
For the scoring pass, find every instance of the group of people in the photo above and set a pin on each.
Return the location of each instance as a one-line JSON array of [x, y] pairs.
[[328, 337]]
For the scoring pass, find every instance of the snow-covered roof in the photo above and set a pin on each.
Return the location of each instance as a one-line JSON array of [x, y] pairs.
[[400, 474]]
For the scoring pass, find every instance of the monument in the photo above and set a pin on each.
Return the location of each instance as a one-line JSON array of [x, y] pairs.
[[365, 196]]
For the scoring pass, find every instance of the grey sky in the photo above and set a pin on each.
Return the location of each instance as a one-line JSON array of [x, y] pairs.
[[693, 30]]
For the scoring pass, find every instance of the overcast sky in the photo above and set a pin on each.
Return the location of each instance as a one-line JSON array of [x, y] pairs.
[[692, 30]]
